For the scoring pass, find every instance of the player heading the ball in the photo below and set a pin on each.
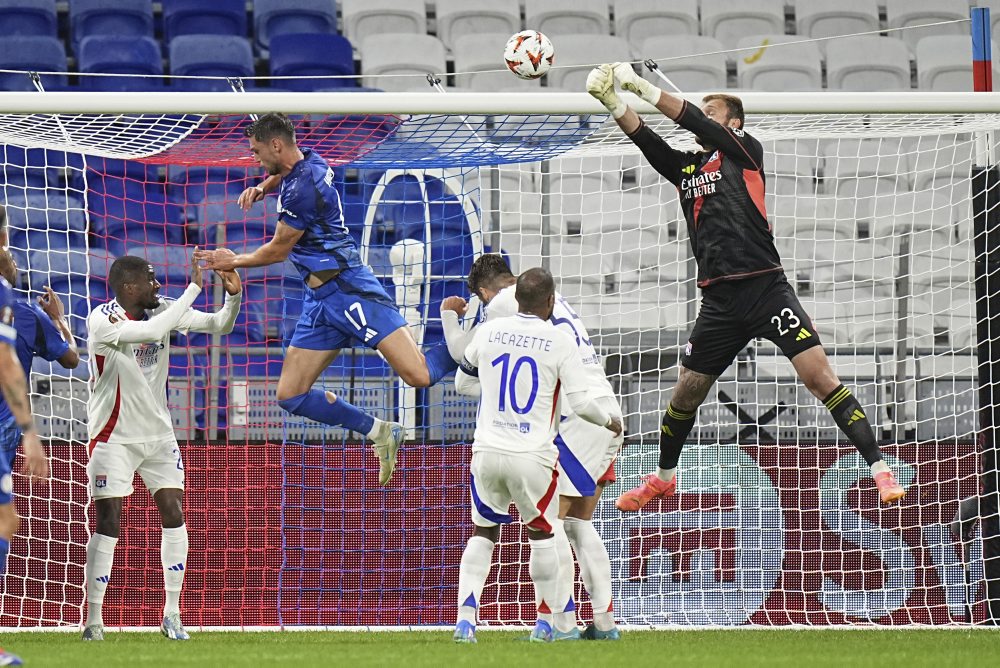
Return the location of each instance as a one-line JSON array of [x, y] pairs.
[[345, 305]]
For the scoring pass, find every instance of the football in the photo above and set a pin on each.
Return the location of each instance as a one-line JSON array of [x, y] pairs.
[[529, 54]]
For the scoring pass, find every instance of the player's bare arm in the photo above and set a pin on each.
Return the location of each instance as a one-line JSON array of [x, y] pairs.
[[53, 307], [276, 250], [15, 391]]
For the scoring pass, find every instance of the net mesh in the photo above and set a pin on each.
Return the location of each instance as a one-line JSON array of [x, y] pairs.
[[776, 521]]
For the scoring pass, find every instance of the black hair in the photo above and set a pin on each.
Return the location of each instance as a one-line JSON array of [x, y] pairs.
[[486, 272], [127, 269], [534, 288], [272, 125], [734, 105]]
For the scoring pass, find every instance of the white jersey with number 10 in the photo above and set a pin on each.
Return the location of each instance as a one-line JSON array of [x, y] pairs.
[[521, 361]]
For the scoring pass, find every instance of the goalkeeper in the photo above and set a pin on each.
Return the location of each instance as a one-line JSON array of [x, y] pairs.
[[744, 291]]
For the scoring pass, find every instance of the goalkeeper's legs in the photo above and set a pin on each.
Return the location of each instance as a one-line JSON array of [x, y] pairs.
[[814, 369]]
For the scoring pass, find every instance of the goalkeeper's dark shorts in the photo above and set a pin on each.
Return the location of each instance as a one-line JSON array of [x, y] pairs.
[[733, 313]]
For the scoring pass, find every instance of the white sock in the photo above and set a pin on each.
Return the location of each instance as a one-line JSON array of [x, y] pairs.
[[173, 556], [880, 467], [666, 475], [477, 558], [376, 428], [565, 610], [543, 566], [100, 556], [595, 569]]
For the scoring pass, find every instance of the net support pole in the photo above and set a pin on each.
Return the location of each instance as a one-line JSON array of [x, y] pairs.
[[986, 235]]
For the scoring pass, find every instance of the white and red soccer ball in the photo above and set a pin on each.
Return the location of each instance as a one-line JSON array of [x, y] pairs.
[[529, 54]]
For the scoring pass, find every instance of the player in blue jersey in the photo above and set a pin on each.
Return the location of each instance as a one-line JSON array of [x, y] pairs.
[[20, 428], [344, 305]]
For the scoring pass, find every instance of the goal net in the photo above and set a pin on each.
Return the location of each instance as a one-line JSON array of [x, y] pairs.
[[776, 520]]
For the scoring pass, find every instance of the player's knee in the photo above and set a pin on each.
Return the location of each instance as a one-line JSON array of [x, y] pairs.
[[535, 534], [108, 517], [491, 534], [292, 404], [107, 526], [9, 521], [416, 378]]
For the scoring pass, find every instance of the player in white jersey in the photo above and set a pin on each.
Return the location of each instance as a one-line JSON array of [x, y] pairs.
[[586, 452], [130, 427], [525, 368]]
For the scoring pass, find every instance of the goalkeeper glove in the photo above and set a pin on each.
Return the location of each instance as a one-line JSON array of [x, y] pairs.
[[633, 83], [601, 84]]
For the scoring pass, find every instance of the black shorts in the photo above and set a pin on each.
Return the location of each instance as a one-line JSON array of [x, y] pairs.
[[733, 313]]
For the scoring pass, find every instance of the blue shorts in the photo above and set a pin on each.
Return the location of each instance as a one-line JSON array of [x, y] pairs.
[[351, 309], [10, 438]]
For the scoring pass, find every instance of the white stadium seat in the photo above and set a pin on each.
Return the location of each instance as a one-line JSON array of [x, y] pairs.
[[779, 66], [822, 18], [865, 167], [456, 18], [400, 54], [639, 20], [908, 13], [584, 50], [483, 53], [687, 69], [374, 17], [944, 63], [867, 63], [729, 21], [560, 18]]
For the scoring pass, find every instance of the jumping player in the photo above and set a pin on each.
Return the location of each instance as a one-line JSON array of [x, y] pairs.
[[344, 301], [744, 290], [130, 427], [586, 455]]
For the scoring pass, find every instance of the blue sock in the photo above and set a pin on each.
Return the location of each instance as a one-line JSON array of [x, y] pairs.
[[4, 549], [439, 362], [313, 405]]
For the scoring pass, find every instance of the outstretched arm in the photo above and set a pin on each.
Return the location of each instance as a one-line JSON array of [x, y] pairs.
[[276, 250], [222, 321]]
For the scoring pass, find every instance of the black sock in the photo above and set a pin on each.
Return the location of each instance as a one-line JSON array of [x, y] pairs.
[[846, 410], [674, 431]]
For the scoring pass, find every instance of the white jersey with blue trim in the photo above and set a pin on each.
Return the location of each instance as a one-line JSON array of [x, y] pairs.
[[521, 362], [565, 318]]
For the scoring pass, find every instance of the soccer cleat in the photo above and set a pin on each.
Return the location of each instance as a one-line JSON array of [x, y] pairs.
[[386, 446], [465, 632], [890, 490], [93, 632], [593, 633], [566, 635], [651, 488], [541, 633], [172, 627], [8, 659]]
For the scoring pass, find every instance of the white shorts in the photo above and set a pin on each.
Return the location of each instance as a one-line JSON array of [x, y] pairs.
[[112, 467], [497, 480], [587, 452]]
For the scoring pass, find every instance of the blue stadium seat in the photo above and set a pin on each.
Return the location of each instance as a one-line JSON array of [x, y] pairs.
[[46, 211], [277, 17], [171, 263], [80, 293], [315, 54], [197, 17], [114, 54], [32, 53], [27, 17], [210, 55], [120, 18], [192, 185]]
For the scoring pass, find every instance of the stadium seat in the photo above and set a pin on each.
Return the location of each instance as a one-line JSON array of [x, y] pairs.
[[730, 21], [171, 263], [120, 18], [309, 55], [276, 17], [458, 18], [210, 56], [677, 56], [400, 54], [365, 18], [27, 17], [109, 54], [192, 185], [867, 63], [46, 211], [563, 18], [908, 13], [779, 66], [196, 17], [865, 167], [477, 53], [31, 53], [639, 20], [944, 63], [820, 18], [585, 50], [941, 158]]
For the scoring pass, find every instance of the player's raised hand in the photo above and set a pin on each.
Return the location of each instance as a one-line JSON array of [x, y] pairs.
[[601, 85], [633, 83], [249, 196], [456, 304], [230, 281], [196, 269], [52, 305], [35, 463], [220, 259]]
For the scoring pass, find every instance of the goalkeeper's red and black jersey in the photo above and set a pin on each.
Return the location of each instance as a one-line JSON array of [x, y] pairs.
[[722, 196]]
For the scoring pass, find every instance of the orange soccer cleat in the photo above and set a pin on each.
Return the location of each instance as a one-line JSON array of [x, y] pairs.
[[652, 487], [890, 490]]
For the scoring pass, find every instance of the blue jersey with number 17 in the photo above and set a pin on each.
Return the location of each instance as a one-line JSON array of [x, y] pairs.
[[308, 201]]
